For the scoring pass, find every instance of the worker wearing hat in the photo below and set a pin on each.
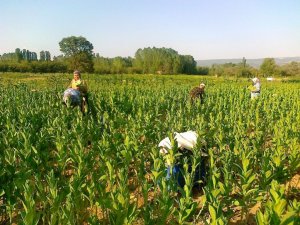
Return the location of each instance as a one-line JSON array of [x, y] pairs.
[[255, 88]]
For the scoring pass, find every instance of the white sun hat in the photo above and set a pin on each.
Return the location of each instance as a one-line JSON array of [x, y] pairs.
[[255, 80]]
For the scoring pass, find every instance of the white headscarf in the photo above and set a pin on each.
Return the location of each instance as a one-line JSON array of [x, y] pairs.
[[255, 80]]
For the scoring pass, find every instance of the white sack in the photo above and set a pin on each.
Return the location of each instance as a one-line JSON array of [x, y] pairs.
[[187, 140]]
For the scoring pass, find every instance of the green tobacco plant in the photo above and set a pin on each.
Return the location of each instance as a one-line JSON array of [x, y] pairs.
[[121, 210], [186, 205], [213, 195], [248, 191], [29, 216], [277, 210]]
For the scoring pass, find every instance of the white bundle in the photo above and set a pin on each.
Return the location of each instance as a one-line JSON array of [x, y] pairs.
[[72, 95], [165, 145], [187, 140]]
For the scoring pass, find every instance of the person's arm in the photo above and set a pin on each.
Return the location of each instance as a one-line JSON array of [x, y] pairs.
[[70, 84], [83, 87], [252, 88]]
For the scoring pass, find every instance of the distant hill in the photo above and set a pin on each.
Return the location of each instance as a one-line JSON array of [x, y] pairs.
[[252, 62]]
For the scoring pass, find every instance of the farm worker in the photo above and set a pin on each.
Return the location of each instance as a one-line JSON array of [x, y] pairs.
[[186, 141], [197, 93], [79, 87], [255, 88], [78, 84]]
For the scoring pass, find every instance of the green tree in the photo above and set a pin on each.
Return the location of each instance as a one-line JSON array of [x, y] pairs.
[[18, 54], [24, 55], [59, 58], [290, 69], [28, 55], [102, 65], [81, 61], [244, 70], [78, 52], [118, 65], [244, 62], [73, 45], [47, 56], [202, 70], [34, 56], [121, 65], [42, 56], [189, 64], [163, 61], [268, 67], [9, 57]]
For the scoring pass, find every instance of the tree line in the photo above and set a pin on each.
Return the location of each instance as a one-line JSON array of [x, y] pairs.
[[78, 54], [24, 54], [268, 68]]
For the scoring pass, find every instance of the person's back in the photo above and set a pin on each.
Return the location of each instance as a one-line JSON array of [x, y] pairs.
[[197, 93], [186, 141]]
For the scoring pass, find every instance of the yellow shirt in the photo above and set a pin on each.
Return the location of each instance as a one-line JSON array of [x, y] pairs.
[[81, 84]]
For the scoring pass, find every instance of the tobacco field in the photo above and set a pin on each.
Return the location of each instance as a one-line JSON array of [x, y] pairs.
[[59, 167]]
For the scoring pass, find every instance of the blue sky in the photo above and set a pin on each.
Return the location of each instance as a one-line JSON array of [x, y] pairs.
[[205, 29]]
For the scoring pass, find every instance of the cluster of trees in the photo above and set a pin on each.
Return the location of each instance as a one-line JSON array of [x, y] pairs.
[[164, 61], [149, 61], [27, 61], [115, 65], [24, 55], [78, 54], [33, 67], [290, 69], [45, 56], [268, 68], [241, 69]]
